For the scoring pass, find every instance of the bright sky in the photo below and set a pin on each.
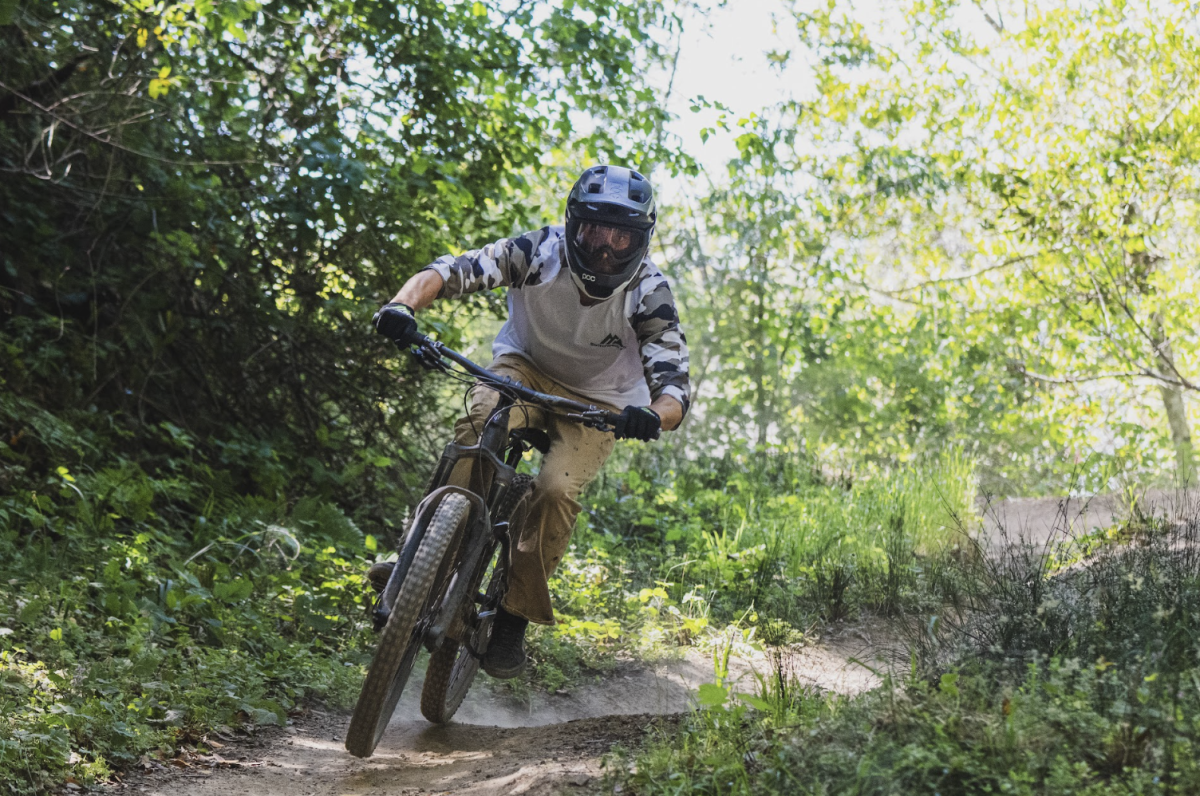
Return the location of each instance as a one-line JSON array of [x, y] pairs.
[[724, 60]]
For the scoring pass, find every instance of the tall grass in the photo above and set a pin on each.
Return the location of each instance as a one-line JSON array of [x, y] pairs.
[[671, 549], [822, 551]]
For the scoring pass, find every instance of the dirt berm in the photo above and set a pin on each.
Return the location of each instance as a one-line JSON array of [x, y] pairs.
[[497, 744]]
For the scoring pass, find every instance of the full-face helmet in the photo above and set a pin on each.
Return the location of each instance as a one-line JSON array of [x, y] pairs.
[[610, 219]]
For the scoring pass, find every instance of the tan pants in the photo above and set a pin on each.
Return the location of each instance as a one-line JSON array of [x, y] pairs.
[[576, 455]]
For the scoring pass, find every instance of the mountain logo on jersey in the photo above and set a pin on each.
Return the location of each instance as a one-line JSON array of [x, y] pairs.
[[612, 341]]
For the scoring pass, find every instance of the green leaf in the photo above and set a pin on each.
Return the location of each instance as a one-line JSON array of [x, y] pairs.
[[757, 703], [8, 11], [711, 695], [232, 590]]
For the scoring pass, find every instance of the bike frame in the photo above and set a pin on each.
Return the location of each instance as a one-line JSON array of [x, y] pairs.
[[494, 460]]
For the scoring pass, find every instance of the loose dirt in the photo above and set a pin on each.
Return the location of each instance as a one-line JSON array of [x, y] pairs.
[[498, 744]]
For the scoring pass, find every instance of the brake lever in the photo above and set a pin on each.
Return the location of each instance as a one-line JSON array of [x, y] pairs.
[[428, 358], [591, 420]]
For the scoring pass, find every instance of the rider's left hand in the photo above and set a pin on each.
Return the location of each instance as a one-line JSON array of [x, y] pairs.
[[637, 422]]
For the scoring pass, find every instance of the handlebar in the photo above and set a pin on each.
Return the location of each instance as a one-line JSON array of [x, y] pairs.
[[432, 354]]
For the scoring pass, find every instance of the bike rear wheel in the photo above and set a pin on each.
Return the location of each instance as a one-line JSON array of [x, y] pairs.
[[453, 666], [400, 641]]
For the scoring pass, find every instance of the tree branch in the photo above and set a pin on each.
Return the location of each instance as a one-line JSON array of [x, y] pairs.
[[963, 278], [109, 142], [996, 26], [41, 88], [1125, 375]]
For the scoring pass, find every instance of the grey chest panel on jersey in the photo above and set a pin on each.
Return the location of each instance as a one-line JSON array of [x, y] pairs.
[[591, 349]]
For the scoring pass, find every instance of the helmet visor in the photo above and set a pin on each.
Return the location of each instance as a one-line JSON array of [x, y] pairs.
[[608, 248]]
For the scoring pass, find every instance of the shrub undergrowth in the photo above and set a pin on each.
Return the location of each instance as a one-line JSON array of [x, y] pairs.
[[145, 603], [669, 556], [769, 536], [1053, 673]]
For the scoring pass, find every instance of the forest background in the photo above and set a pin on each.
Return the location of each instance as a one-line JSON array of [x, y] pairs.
[[958, 258]]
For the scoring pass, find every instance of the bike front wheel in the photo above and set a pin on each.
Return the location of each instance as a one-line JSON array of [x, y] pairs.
[[400, 640]]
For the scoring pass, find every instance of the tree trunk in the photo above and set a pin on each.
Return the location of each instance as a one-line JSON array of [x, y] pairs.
[[1181, 435], [762, 402], [1176, 406]]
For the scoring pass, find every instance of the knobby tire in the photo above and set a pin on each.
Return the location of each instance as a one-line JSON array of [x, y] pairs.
[[398, 644], [452, 668]]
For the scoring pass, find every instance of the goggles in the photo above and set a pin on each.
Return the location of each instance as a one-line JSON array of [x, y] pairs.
[[596, 239]]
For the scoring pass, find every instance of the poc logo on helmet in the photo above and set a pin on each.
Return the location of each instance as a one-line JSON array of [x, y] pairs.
[[588, 277]]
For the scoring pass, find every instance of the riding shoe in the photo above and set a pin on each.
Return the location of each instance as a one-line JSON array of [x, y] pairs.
[[379, 573], [505, 655]]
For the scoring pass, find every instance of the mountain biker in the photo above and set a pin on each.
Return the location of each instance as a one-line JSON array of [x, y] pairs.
[[590, 318]]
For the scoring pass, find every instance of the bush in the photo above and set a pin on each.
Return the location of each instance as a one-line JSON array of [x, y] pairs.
[[1082, 678], [145, 603]]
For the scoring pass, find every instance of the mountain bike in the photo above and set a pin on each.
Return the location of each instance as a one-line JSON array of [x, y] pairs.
[[458, 538]]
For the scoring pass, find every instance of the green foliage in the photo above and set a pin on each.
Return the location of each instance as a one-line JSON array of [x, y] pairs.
[[145, 604], [1066, 727], [1083, 679], [206, 202], [760, 533], [972, 226]]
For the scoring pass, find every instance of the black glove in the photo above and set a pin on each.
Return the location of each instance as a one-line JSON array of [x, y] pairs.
[[396, 322], [637, 422]]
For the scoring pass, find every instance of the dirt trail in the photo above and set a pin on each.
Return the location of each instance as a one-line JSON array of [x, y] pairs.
[[497, 744], [1038, 521], [555, 743]]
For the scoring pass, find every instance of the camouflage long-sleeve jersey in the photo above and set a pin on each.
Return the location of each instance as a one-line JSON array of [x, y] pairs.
[[616, 352]]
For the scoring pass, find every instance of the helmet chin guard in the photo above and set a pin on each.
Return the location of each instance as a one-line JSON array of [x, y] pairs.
[[610, 219], [592, 289]]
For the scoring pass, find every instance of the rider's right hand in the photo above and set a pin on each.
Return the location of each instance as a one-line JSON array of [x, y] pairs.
[[396, 322], [637, 422]]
